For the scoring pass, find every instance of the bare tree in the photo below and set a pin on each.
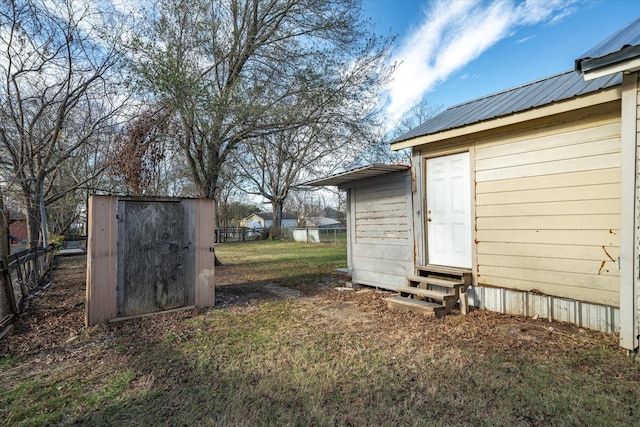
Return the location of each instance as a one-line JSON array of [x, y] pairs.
[[57, 61], [229, 71], [381, 152]]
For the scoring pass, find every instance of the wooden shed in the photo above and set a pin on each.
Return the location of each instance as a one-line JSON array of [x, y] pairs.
[[531, 193], [379, 223], [148, 255]]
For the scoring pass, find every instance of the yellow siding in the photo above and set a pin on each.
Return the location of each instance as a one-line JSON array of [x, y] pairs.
[[548, 209]]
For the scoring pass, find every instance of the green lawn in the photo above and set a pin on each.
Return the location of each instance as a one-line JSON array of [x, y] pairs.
[[285, 263]]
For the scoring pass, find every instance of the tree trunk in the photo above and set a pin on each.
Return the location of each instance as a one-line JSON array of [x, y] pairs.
[[276, 223], [33, 223], [4, 231]]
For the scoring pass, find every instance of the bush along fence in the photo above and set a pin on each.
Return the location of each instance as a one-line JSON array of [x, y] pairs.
[[21, 274]]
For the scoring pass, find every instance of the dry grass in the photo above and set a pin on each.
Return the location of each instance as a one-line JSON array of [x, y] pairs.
[[325, 358]]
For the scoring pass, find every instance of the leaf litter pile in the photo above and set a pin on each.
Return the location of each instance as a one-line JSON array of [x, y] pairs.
[[314, 355]]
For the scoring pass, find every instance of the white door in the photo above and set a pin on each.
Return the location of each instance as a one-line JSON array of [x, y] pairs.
[[448, 211]]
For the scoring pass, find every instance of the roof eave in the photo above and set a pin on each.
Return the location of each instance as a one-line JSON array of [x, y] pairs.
[[627, 66], [625, 59], [371, 171]]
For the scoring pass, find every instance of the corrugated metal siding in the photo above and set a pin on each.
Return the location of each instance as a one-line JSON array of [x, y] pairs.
[[548, 211], [532, 95], [584, 314]]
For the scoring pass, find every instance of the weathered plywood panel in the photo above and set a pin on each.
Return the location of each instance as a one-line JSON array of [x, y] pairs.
[[101, 293], [377, 279], [384, 237], [381, 209], [385, 221], [382, 265], [383, 240], [152, 258], [381, 252], [204, 257], [380, 247]]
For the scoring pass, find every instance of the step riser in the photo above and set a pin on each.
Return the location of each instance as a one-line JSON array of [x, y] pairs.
[[445, 273], [415, 306], [425, 293]]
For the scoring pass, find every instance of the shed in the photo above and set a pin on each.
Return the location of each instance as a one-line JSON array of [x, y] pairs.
[[148, 255], [532, 193], [379, 228]]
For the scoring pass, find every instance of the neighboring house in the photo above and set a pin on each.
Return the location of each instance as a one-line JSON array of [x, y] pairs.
[[18, 227], [265, 219], [530, 192]]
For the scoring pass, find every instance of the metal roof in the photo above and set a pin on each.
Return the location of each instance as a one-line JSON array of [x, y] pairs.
[[552, 89], [620, 46], [364, 172]]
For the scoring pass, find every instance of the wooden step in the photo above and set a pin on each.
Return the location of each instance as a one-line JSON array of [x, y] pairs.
[[436, 281], [462, 274], [415, 306], [427, 293]]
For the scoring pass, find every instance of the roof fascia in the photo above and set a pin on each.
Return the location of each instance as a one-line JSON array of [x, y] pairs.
[[627, 66], [602, 97]]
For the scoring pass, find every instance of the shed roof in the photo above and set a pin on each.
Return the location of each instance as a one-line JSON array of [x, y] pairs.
[[552, 89], [356, 174], [619, 47]]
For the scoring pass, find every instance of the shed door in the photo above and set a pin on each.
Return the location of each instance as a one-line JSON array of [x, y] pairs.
[[151, 256], [448, 211]]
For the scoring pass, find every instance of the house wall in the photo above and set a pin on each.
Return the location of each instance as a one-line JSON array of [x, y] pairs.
[[380, 230], [19, 229], [547, 210]]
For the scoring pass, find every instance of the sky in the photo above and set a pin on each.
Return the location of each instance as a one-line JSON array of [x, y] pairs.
[[453, 51]]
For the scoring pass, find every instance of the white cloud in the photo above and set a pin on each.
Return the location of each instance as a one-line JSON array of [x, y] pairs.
[[454, 33]]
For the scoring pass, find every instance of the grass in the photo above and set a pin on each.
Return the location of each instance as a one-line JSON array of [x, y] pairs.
[[284, 263], [331, 359]]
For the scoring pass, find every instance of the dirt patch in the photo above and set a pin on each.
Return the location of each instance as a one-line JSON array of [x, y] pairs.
[[55, 318]]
